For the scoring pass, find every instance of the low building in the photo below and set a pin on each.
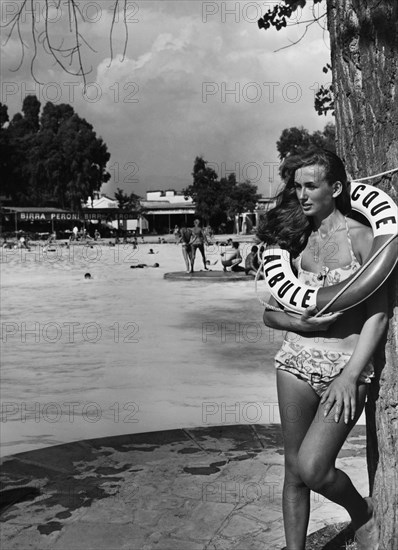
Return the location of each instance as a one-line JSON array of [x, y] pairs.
[[159, 213], [246, 222], [102, 207], [101, 201], [166, 209]]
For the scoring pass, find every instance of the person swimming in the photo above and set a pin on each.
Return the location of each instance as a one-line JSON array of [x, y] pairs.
[[87, 276]]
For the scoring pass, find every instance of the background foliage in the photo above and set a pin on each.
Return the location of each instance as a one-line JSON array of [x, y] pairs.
[[52, 159]]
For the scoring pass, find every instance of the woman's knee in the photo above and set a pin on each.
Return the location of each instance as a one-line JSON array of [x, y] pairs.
[[314, 472], [294, 489], [292, 473]]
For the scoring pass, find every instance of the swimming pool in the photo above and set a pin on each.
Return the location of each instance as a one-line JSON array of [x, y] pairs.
[[126, 351]]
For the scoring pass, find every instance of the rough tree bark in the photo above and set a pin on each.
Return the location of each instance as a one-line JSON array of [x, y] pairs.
[[364, 52]]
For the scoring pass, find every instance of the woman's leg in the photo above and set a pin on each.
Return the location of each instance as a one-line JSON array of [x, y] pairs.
[[316, 461], [202, 251], [193, 254], [185, 253], [298, 405]]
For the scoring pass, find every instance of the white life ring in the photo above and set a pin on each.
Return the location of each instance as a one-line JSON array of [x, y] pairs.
[[382, 213]]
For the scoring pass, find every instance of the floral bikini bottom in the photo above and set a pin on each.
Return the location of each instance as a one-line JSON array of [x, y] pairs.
[[316, 366]]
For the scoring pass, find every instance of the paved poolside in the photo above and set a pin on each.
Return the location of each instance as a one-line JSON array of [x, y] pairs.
[[215, 276], [208, 488]]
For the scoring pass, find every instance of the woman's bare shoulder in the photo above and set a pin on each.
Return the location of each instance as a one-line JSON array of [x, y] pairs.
[[359, 230], [361, 237]]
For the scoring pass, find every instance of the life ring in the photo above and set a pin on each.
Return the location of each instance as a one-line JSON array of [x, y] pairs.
[[382, 213]]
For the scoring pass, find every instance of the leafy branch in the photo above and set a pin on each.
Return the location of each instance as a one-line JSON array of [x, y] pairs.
[[278, 17], [324, 97]]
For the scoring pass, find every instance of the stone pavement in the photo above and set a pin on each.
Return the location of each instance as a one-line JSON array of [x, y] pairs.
[[211, 488]]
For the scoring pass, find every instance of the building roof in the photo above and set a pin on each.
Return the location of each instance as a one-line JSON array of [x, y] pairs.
[[49, 213], [170, 211], [35, 209], [166, 205], [102, 202]]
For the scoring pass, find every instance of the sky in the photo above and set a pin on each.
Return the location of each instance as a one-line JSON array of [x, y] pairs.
[[197, 79]]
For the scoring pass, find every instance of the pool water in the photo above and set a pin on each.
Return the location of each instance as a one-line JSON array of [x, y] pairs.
[[126, 351]]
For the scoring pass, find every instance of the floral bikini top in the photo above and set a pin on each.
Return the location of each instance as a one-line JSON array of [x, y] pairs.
[[328, 277]]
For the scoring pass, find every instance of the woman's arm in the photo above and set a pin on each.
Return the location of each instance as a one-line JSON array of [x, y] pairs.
[[376, 315], [342, 391], [282, 320], [371, 333]]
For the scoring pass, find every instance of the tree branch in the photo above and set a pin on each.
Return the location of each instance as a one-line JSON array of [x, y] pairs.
[[43, 37]]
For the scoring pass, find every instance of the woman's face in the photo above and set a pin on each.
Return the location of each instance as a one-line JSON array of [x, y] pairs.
[[314, 193]]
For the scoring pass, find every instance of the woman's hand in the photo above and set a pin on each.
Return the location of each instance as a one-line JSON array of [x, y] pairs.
[[309, 323], [342, 394]]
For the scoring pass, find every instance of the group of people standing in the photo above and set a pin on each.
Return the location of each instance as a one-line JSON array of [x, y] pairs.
[[193, 239], [83, 235]]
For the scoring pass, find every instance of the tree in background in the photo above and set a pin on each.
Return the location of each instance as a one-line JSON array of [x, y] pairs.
[[55, 159], [206, 192], [364, 62], [243, 197], [19, 136], [5, 150], [218, 201], [127, 202], [297, 140]]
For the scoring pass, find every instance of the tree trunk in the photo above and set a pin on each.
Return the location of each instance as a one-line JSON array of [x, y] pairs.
[[364, 52]]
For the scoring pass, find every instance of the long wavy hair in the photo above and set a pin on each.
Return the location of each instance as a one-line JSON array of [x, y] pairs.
[[286, 225]]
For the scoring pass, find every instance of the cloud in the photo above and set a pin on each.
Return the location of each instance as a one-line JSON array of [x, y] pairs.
[[192, 82]]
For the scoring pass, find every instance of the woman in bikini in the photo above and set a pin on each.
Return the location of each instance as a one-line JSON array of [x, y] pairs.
[[325, 362]]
